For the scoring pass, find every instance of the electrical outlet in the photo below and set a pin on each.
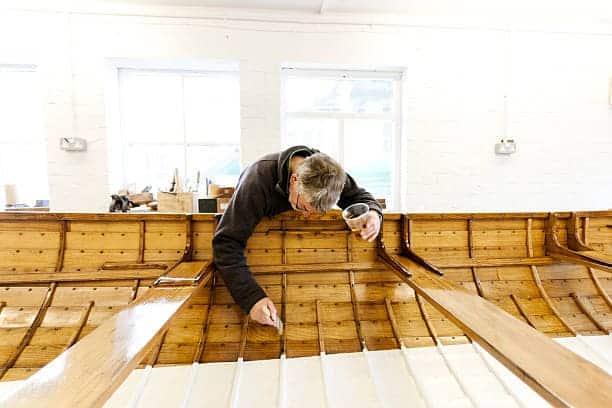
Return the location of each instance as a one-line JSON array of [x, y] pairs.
[[73, 144]]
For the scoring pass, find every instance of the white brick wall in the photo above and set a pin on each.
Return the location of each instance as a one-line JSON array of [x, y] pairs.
[[555, 84]]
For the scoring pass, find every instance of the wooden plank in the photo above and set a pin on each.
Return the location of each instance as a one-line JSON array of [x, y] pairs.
[[536, 359], [31, 330], [87, 374]]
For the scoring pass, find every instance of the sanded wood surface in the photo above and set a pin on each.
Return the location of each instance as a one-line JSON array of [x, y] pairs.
[[86, 374], [528, 353]]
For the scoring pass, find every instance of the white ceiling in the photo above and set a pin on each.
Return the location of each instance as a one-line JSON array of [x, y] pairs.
[[382, 6], [599, 11]]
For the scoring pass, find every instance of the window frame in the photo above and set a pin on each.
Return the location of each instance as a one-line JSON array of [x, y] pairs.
[[395, 116]]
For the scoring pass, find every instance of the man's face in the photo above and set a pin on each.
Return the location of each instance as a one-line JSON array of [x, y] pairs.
[[298, 201]]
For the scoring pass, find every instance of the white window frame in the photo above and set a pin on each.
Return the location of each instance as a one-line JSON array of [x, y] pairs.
[[395, 116], [125, 144]]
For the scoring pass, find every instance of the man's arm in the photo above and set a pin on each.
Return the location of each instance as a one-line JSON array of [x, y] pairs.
[[243, 213]]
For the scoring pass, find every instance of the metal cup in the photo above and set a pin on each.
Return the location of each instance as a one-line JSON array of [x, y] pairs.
[[355, 216]]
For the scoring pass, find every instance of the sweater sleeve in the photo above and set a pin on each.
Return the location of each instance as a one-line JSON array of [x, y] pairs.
[[352, 194], [243, 213]]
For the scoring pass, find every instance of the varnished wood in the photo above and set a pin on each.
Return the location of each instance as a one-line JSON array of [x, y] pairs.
[[548, 300], [135, 290], [470, 225], [197, 357], [123, 266], [574, 240], [584, 256], [141, 241], [356, 314], [477, 282], [82, 322], [393, 321], [62, 246], [352, 306], [243, 336], [529, 238], [31, 330], [430, 329], [535, 359], [589, 313], [320, 333], [283, 345], [522, 311], [600, 289], [87, 374], [492, 262], [157, 349]]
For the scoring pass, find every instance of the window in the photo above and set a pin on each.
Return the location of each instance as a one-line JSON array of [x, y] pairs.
[[23, 148], [351, 115], [179, 119]]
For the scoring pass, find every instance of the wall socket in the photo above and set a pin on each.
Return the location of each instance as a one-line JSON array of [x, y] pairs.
[[505, 146], [73, 144]]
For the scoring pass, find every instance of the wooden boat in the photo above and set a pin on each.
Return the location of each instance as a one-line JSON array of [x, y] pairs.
[[86, 299]]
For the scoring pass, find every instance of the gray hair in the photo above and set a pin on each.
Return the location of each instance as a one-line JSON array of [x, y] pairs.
[[321, 180]]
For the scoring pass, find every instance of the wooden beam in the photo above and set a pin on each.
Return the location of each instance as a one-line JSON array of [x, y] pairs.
[[492, 262], [141, 242], [557, 374], [548, 300], [522, 310], [88, 373], [283, 345], [25, 340], [135, 290], [470, 228], [62, 246], [206, 322], [477, 282], [530, 237], [356, 315], [589, 313], [80, 325], [600, 288], [393, 321], [320, 333]]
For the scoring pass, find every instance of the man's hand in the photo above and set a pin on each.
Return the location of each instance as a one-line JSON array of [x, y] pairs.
[[264, 312], [372, 226]]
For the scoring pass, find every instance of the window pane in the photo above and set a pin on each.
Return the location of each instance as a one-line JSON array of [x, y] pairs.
[[153, 165], [321, 134], [212, 109], [368, 155], [313, 95], [151, 106], [23, 149], [26, 166], [20, 107], [371, 96], [221, 164], [339, 95]]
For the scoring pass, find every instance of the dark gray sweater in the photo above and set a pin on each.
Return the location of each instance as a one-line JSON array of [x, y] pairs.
[[262, 190]]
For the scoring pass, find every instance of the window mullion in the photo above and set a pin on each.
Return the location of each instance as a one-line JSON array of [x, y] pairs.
[[184, 116], [341, 141]]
